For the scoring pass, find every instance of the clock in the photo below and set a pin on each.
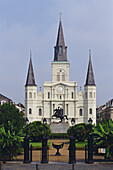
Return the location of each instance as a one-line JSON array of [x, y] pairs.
[[60, 89]]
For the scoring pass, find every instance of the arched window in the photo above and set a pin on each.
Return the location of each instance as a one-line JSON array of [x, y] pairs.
[[58, 77], [94, 94], [80, 112], [63, 77], [86, 95], [34, 95], [90, 94], [90, 111], [30, 95], [26, 95], [30, 111], [60, 50], [48, 95], [72, 95], [40, 112]]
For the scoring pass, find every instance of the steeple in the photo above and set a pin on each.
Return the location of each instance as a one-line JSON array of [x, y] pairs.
[[30, 76], [90, 76], [60, 53]]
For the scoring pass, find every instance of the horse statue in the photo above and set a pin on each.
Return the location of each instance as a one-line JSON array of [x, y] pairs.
[[58, 113]]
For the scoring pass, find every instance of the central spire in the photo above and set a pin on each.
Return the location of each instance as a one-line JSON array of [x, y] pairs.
[[60, 53]]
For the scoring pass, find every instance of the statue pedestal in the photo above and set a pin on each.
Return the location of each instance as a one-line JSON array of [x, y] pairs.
[[59, 127]]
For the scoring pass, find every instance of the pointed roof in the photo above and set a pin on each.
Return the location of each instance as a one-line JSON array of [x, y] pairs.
[[30, 76], [60, 48], [60, 36], [90, 76]]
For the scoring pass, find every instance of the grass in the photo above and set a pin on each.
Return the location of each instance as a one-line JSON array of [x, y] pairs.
[[38, 145], [81, 145]]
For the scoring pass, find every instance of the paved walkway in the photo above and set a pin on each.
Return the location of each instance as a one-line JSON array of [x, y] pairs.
[[55, 166]]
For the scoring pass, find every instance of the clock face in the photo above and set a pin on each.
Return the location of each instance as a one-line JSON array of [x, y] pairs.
[[60, 89]]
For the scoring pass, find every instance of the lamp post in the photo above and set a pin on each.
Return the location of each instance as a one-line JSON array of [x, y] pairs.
[[44, 145], [90, 144], [72, 157], [26, 145]]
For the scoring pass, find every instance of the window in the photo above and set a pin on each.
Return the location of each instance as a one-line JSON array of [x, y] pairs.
[[53, 108], [94, 94], [80, 112], [90, 111], [40, 112], [63, 77], [48, 95], [34, 95], [26, 95], [30, 95], [72, 95], [67, 93], [86, 95], [58, 77], [60, 50], [67, 108], [60, 97], [90, 94], [30, 111]]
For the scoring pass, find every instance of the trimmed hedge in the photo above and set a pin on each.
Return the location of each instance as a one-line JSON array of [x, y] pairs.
[[59, 136]]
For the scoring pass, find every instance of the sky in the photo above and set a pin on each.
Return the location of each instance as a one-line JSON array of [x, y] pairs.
[[33, 25]]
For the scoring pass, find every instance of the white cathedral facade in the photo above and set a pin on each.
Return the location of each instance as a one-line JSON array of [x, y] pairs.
[[60, 92]]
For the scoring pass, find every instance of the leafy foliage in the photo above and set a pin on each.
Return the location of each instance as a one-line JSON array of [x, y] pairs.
[[59, 136], [103, 136], [35, 131], [81, 131], [8, 112], [9, 142]]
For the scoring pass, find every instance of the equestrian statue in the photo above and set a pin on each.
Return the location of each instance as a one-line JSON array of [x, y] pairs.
[[58, 113]]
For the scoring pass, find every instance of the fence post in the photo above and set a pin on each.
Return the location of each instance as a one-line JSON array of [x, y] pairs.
[[90, 149], [44, 150], [31, 153], [72, 156], [26, 150]]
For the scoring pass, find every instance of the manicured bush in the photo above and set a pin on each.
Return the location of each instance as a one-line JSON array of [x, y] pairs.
[[59, 136], [35, 131], [81, 131]]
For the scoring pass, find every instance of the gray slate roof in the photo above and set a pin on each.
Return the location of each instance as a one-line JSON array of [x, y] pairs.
[[2, 97], [30, 76], [90, 76], [60, 42]]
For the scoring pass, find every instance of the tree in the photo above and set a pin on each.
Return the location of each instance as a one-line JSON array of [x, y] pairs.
[[35, 131], [8, 112], [103, 136], [9, 142]]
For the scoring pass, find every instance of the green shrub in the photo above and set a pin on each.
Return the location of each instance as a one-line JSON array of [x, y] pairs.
[[35, 131], [59, 136], [9, 142]]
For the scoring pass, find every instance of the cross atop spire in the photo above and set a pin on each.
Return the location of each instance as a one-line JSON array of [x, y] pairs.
[[60, 53], [90, 76], [30, 76]]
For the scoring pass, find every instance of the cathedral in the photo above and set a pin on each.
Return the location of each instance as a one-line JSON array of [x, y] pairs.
[[60, 92]]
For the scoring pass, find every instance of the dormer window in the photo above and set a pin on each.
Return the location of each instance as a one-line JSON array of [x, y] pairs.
[[60, 50]]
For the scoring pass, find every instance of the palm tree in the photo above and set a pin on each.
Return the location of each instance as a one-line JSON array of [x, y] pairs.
[[103, 136]]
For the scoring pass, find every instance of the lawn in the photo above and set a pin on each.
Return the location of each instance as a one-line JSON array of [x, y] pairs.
[[38, 145], [81, 145]]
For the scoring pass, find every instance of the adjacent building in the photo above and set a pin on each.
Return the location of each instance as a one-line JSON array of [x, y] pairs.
[[105, 111], [60, 91]]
